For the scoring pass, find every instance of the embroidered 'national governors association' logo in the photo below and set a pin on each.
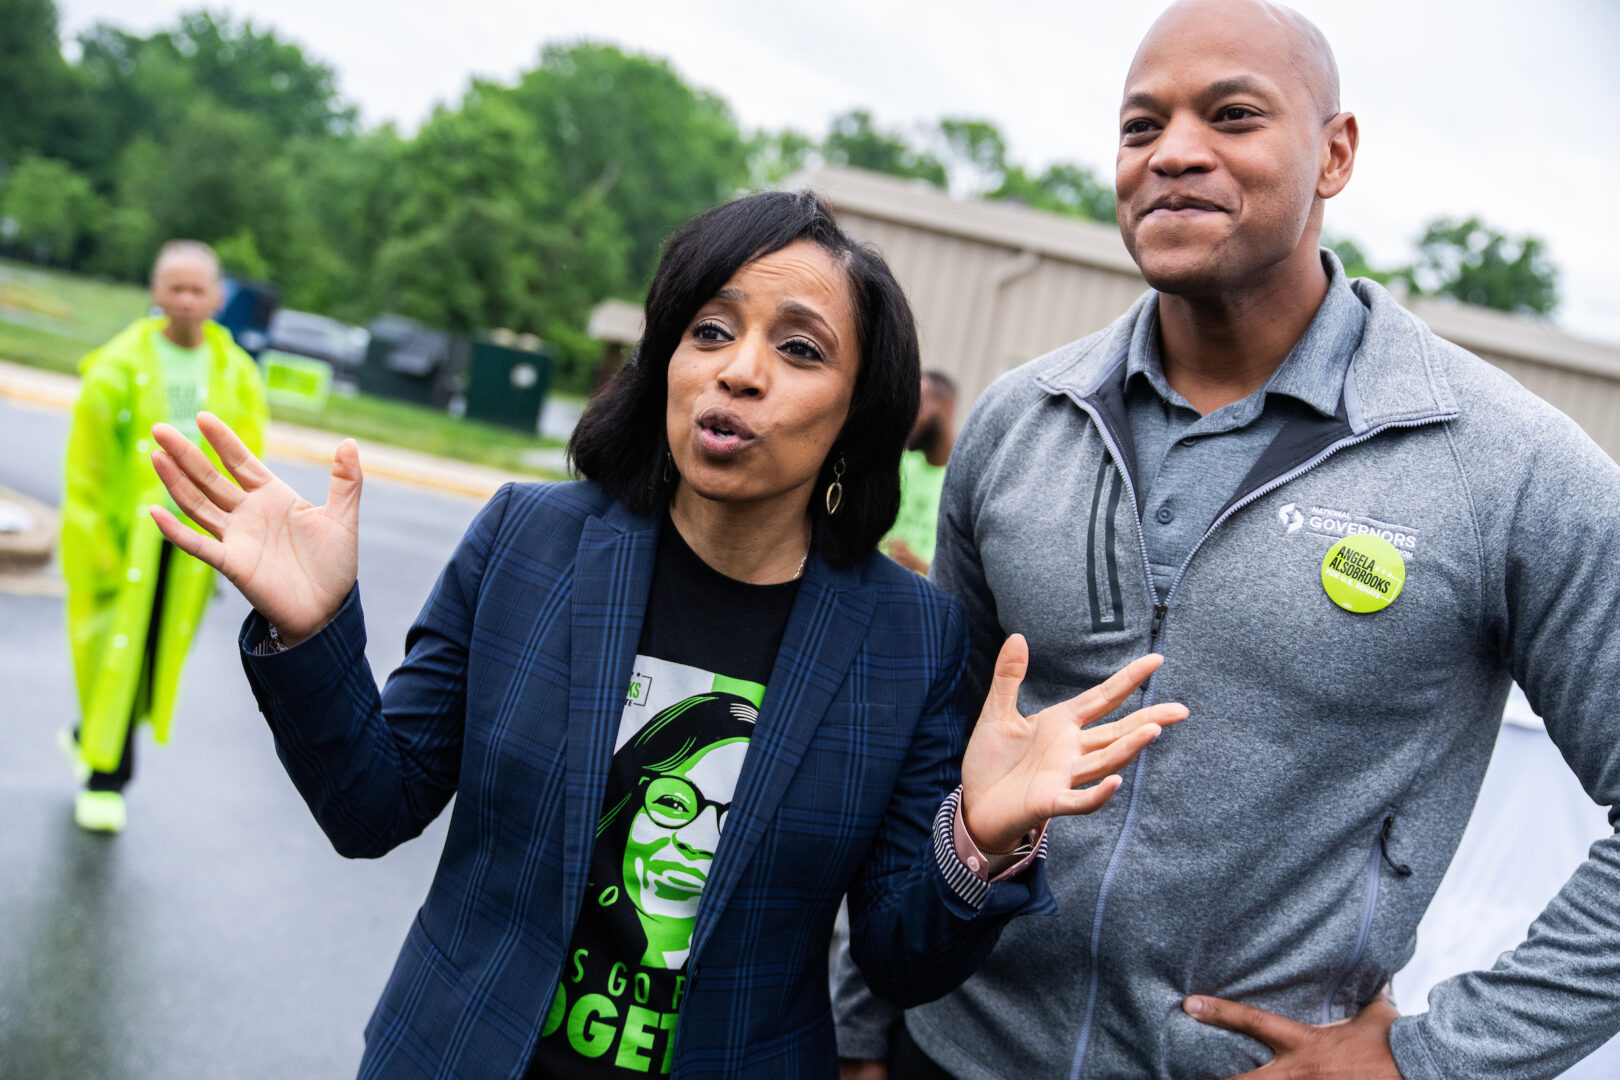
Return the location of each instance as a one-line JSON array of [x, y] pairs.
[[1337, 524]]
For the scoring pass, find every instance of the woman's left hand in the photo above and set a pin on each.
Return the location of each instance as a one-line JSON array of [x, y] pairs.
[[1021, 770]]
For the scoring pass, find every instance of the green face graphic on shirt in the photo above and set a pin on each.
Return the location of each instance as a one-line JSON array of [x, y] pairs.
[[682, 773], [672, 841]]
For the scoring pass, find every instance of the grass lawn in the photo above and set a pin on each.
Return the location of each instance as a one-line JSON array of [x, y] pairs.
[[373, 419], [50, 319], [40, 348]]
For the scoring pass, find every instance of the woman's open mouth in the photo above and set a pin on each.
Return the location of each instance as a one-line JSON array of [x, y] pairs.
[[722, 434]]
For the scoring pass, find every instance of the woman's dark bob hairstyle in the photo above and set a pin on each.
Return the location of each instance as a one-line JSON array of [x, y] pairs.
[[620, 442]]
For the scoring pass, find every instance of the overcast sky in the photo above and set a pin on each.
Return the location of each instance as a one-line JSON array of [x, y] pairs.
[[1492, 107]]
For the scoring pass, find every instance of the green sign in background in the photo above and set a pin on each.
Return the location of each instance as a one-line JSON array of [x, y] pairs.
[[300, 381]]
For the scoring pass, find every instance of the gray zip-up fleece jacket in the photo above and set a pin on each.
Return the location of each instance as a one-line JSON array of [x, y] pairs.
[[1280, 846]]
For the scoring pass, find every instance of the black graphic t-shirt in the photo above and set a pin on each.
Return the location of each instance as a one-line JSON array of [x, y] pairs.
[[706, 650]]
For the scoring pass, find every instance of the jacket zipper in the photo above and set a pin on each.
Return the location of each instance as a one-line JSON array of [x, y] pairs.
[[1161, 608], [1369, 904]]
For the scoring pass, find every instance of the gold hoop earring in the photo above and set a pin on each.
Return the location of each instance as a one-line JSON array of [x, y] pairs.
[[835, 490], [669, 466]]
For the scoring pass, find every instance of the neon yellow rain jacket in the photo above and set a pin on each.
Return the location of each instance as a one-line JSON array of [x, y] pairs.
[[111, 546]]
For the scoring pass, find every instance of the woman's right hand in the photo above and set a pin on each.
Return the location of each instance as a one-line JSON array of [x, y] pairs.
[[295, 562]]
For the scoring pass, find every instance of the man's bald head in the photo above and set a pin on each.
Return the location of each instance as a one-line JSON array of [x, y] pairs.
[[1290, 34], [193, 252], [186, 285], [1231, 138]]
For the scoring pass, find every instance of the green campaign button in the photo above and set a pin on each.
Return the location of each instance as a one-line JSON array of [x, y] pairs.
[[1363, 573]]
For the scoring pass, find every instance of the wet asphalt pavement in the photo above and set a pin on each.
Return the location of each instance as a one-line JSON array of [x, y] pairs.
[[219, 936]]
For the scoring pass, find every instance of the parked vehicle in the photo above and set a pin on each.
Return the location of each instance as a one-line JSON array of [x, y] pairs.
[[304, 333]]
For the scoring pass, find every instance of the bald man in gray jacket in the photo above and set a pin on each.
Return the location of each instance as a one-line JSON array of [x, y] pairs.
[[1348, 538]]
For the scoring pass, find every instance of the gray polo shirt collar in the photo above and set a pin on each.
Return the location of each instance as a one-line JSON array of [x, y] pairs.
[[1313, 371]]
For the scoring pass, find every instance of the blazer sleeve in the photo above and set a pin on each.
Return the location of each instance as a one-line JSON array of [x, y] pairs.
[[376, 768], [912, 935]]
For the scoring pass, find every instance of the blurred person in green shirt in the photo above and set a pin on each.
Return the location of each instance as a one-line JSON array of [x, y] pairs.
[[133, 604], [922, 474]]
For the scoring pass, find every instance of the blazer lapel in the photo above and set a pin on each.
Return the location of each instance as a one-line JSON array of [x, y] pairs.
[[613, 570], [823, 635]]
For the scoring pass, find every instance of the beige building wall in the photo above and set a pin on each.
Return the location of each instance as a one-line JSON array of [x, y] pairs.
[[994, 285], [1581, 378]]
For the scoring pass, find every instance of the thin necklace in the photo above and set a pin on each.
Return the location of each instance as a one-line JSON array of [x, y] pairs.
[[799, 573]]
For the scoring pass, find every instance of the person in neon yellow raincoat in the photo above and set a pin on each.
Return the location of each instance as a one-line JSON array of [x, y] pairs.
[[130, 640]]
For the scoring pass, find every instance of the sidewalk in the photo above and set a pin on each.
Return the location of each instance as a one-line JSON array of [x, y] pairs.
[[288, 442]]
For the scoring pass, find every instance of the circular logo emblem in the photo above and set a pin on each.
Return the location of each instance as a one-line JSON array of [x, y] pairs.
[[1363, 573]]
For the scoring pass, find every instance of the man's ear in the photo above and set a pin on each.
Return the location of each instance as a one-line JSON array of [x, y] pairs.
[[1340, 137]]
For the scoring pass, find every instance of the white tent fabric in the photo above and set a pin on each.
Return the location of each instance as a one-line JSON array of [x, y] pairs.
[[1531, 829]]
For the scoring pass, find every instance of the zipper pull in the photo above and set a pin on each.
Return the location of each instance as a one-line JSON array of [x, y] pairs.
[[1158, 619], [1383, 847]]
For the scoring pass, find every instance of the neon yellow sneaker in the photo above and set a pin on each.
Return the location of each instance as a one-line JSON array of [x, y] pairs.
[[70, 746], [100, 811]]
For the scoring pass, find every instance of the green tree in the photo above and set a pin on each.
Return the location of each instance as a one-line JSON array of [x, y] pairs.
[[49, 208], [1355, 260], [219, 171], [239, 256], [855, 141], [977, 154], [775, 156], [624, 129], [1474, 263], [1064, 188], [126, 245], [35, 83], [342, 200], [253, 70], [137, 86], [488, 234], [128, 92]]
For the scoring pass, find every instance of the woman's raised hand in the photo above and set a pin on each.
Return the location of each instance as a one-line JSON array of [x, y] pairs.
[[1021, 770], [295, 562]]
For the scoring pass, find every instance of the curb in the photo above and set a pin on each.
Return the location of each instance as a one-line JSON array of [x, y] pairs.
[[26, 567], [29, 548]]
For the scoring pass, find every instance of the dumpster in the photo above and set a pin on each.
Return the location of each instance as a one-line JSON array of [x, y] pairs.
[[507, 379]]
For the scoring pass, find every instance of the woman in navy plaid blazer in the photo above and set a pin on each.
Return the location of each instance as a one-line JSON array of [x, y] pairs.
[[762, 421]]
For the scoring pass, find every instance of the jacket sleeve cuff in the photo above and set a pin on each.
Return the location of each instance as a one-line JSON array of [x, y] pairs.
[[966, 869], [1411, 1049], [993, 868], [313, 666]]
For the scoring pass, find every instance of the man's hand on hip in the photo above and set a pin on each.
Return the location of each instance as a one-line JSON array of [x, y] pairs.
[[1355, 1049]]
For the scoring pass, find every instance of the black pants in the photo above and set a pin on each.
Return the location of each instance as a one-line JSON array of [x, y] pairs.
[[908, 1062], [120, 777]]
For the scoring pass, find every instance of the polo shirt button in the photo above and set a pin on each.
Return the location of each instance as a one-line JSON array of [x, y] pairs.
[[1165, 515], [1190, 440]]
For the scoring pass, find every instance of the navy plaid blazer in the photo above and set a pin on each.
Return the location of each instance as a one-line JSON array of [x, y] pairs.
[[509, 697]]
